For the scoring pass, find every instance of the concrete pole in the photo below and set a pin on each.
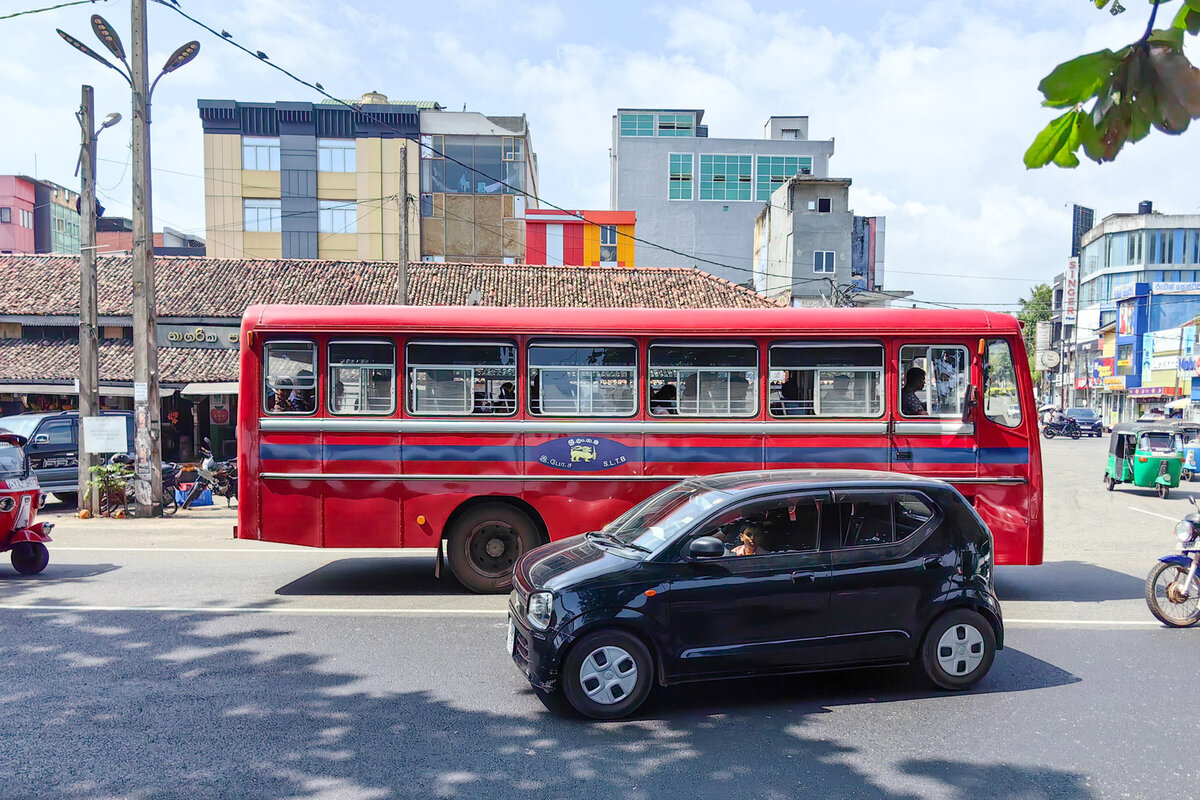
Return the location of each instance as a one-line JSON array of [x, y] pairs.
[[402, 253], [146, 410], [89, 356]]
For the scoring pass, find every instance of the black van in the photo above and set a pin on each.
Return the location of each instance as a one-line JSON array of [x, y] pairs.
[[757, 573], [53, 447]]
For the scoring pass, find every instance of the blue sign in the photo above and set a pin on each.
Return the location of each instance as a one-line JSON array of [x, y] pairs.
[[582, 454]]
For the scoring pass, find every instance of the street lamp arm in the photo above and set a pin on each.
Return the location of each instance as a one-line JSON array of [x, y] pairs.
[[90, 53]]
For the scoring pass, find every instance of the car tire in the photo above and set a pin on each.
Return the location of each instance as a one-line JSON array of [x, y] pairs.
[[607, 674], [30, 558], [958, 650], [485, 543], [70, 499]]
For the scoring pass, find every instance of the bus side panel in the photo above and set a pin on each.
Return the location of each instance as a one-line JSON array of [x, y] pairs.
[[1004, 509], [868, 451], [249, 481], [361, 513], [679, 456], [290, 509], [436, 500], [572, 507]]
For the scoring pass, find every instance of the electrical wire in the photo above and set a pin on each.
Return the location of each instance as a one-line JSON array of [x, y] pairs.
[[49, 8]]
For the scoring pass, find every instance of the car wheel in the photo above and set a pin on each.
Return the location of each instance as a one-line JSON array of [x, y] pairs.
[[30, 558], [69, 499], [607, 674], [485, 543], [958, 649]]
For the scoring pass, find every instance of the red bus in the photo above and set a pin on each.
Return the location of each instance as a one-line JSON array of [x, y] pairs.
[[487, 431]]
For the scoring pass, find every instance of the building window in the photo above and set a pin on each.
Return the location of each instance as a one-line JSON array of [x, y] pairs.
[[773, 171], [823, 262], [433, 205], [335, 155], [725, 177], [824, 205], [676, 125], [337, 216], [259, 153], [5, 214], [26, 218], [637, 124], [514, 149], [60, 225], [513, 165], [681, 176], [262, 216], [608, 244]]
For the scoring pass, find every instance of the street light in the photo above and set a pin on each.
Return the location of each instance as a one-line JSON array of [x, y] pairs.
[[146, 446]]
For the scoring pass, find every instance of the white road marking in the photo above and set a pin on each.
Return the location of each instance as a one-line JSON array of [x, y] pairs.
[[1112, 623], [406, 552], [1151, 513], [253, 610]]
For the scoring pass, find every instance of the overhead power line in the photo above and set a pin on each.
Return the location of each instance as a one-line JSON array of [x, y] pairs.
[[50, 8]]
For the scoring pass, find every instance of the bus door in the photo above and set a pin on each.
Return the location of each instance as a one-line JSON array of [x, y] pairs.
[[1007, 492], [933, 433], [360, 445]]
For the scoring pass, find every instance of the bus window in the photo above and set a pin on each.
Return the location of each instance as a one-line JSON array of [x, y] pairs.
[[1001, 400], [290, 378], [583, 379], [933, 380], [704, 380], [362, 377], [826, 380], [461, 378]]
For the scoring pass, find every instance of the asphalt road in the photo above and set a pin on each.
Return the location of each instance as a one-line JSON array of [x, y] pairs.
[[165, 659]]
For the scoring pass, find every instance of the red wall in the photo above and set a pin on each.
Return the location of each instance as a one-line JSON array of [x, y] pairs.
[[16, 193]]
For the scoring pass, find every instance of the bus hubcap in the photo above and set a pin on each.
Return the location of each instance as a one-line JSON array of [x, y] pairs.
[[494, 548]]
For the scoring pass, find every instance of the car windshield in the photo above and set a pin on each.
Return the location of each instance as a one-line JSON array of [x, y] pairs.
[[22, 425], [1081, 413], [12, 461], [661, 517], [1158, 441]]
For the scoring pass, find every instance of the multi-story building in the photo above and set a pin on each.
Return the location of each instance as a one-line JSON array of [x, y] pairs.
[[38, 216], [114, 236], [304, 180], [697, 196], [580, 238]]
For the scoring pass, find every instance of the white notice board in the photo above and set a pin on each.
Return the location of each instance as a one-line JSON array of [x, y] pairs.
[[105, 435]]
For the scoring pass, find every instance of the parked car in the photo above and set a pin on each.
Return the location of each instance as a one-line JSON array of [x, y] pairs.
[[846, 568], [1087, 420], [53, 447]]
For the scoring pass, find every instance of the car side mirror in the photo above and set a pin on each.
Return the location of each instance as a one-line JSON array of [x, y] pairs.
[[706, 547], [42, 438]]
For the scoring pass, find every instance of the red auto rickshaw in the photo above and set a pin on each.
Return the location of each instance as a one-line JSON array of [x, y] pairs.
[[20, 499]]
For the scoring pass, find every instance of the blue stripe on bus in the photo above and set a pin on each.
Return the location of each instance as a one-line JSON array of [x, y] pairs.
[[289, 452], [678, 455], [827, 455], [1004, 455], [461, 452]]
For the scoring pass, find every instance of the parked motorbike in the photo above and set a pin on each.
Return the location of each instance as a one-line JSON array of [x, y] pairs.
[[1063, 427], [1172, 587], [20, 499], [219, 476], [170, 482]]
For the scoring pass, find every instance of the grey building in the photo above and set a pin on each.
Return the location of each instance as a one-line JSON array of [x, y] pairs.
[[698, 196]]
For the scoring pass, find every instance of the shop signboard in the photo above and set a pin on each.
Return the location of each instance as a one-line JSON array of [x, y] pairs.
[[1041, 339], [218, 410], [1153, 391], [1147, 355], [1081, 383], [1115, 383], [1124, 291], [207, 337], [1164, 362], [1070, 291], [1103, 367], [1171, 287], [1125, 313]]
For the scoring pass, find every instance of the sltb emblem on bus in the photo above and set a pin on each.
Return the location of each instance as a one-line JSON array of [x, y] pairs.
[[585, 454]]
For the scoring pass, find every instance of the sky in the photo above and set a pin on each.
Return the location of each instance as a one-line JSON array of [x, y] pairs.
[[931, 104]]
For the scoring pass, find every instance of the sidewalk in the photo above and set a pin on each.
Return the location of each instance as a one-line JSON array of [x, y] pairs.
[[203, 526]]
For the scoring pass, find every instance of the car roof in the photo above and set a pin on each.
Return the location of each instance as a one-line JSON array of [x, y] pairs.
[[1088, 411], [809, 479]]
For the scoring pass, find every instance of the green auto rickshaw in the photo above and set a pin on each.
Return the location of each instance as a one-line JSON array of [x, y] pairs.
[[1146, 454]]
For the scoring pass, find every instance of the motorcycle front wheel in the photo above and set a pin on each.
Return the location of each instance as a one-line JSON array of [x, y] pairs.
[[1048, 433], [1075, 434], [1164, 600]]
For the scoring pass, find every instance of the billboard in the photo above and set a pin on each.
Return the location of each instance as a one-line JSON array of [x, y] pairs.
[[1082, 220], [1070, 298]]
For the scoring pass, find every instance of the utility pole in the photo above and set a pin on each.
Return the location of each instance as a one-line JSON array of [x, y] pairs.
[[402, 253], [146, 410], [89, 355]]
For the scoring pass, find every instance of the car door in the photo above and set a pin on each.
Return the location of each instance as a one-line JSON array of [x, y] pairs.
[[883, 566], [752, 613], [54, 454]]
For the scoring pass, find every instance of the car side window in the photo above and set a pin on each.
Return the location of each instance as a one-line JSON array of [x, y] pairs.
[[765, 527], [58, 431], [871, 520]]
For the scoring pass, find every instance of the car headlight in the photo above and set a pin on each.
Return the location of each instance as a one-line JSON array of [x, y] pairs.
[[541, 606], [1184, 531]]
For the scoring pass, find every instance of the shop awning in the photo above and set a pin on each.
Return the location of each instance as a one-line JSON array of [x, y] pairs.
[[63, 389], [200, 389]]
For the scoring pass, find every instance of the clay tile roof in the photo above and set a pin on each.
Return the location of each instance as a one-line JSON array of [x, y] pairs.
[[45, 285], [34, 361]]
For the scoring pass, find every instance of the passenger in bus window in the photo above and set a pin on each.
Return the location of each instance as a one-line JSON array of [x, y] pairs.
[[507, 401], [789, 394], [910, 403], [662, 400]]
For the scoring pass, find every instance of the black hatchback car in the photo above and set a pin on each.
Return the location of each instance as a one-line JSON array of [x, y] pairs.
[[756, 573]]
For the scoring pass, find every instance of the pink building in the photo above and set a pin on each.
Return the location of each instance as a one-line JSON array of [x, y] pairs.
[[17, 200]]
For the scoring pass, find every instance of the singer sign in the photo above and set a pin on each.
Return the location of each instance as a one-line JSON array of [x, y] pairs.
[[1070, 291]]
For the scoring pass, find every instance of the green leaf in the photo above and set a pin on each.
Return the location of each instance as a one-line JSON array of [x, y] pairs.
[[1053, 138], [1074, 81], [1171, 37], [1101, 3]]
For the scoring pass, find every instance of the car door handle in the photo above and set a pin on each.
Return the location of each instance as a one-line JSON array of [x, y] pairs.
[[904, 455], [802, 577]]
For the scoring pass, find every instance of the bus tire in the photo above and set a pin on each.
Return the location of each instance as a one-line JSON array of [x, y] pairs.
[[485, 544]]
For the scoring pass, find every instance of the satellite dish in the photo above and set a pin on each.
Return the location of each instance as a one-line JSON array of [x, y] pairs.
[[1048, 359]]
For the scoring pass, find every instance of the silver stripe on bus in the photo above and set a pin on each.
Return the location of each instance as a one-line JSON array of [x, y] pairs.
[[310, 425], [951, 427], [358, 476]]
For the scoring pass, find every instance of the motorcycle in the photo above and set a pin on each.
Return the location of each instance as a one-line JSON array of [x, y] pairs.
[[1063, 427], [220, 476], [170, 482], [20, 499], [1172, 588]]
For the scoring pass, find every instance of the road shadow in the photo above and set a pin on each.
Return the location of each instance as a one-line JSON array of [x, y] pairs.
[[52, 574], [1057, 581], [374, 576], [195, 705]]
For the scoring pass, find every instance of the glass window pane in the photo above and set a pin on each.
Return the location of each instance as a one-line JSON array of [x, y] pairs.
[[934, 380], [290, 377], [362, 378], [835, 380], [462, 378], [583, 380], [487, 166], [865, 521], [1001, 400], [698, 380], [460, 160]]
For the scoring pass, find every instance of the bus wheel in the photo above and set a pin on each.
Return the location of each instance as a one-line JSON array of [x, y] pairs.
[[485, 545]]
